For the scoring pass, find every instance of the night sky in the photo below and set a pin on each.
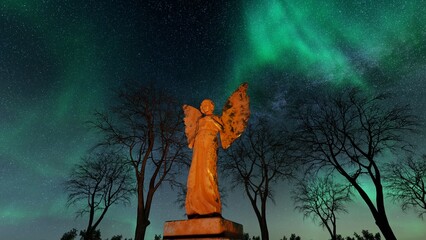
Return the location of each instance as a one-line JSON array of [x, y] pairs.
[[60, 60]]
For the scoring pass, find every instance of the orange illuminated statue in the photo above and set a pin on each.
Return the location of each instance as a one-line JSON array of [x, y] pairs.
[[201, 129]]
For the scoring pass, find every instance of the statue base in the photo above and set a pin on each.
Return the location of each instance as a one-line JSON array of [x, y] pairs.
[[203, 228]]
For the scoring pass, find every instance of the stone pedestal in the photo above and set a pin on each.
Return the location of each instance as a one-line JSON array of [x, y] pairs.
[[203, 228]]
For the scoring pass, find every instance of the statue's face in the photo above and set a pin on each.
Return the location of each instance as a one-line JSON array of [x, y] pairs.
[[207, 107]]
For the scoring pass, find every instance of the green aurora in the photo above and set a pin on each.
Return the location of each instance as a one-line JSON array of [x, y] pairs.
[[336, 41]]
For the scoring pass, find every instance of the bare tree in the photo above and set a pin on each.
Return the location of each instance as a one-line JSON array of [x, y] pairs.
[[70, 235], [406, 182], [147, 124], [100, 181], [365, 235], [346, 133], [257, 162], [292, 237], [322, 199]]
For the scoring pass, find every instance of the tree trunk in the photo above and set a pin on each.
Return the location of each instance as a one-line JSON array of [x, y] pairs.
[[88, 234], [141, 225], [262, 221], [89, 229], [142, 221], [378, 213], [264, 228], [383, 224], [382, 220], [261, 217], [333, 222]]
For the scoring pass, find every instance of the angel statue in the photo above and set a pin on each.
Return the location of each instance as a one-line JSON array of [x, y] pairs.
[[201, 129]]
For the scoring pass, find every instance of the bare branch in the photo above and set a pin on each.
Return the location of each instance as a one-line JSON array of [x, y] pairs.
[[146, 124], [346, 132], [99, 181], [256, 162], [322, 199], [406, 181]]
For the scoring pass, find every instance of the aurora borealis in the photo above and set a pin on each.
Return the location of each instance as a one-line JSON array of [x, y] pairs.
[[61, 60]]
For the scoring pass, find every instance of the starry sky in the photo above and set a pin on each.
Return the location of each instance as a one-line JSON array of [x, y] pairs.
[[61, 59]]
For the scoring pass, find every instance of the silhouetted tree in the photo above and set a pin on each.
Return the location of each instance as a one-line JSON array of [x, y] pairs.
[[246, 236], [292, 237], [94, 185], [94, 234], [365, 235], [117, 237], [339, 237], [257, 162], [322, 199], [70, 235], [157, 237], [147, 124], [406, 181], [347, 132]]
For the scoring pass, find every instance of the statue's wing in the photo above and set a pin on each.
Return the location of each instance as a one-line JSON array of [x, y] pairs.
[[191, 118], [235, 115]]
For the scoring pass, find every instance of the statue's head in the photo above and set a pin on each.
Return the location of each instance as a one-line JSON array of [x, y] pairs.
[[207, 107]]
